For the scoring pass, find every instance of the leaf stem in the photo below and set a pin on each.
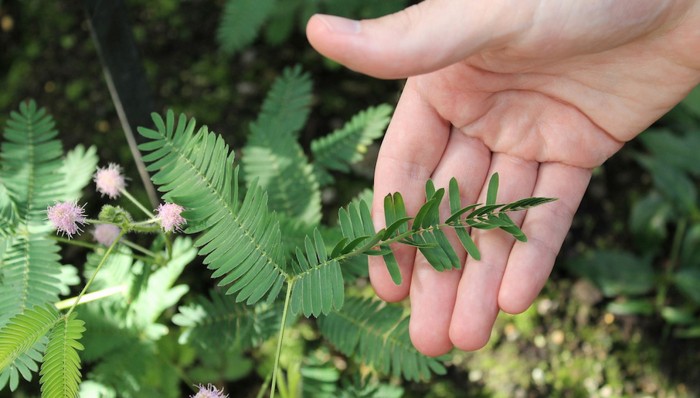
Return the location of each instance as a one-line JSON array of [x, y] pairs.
[[290, 285], [94, 296], [92, 278], [95, 246], [672, 262], [137, 203], [139, 248]]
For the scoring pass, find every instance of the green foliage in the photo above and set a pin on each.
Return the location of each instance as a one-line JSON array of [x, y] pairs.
[[30, 160], [218, 321], [196, 171], [128, 326], [345, 146], [378, 336], [30, 270], [274, 158], [60, 370], [616, 272], [23, 331], [659, 275], [257, 247], [242, 20], [318, 284]]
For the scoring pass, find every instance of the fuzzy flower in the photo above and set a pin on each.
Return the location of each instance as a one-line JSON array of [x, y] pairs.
[[209, 391], [169, 216], [106, 234], [109, 180], [66, 217]]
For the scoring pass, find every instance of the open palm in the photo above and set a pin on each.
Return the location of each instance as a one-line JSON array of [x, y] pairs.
[[540, 93]]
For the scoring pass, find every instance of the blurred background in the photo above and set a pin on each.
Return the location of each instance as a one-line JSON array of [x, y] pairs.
[[620, 315]]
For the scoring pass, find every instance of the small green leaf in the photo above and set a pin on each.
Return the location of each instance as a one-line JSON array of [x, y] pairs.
[[392, 265], [492, 191], [468, 243]]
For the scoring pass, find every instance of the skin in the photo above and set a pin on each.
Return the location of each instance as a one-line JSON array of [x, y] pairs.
[[540, 92]]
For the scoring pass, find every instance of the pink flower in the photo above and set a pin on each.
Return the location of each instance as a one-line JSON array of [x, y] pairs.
[[106, 234], [109, 180], [66, 216], [209, 391], [169, 216]]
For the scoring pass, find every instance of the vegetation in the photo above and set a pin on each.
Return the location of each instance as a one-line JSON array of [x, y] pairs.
[[619, 317]]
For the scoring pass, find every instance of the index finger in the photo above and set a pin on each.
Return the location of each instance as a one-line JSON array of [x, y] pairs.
[[412, 148]]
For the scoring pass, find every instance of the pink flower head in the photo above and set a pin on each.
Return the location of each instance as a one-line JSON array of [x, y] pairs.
[[109, 180], [106, 234], [169, 216], [66, 216], [209, 391]]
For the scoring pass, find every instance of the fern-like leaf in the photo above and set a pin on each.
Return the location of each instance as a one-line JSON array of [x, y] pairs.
[[241, 242], [240, 23], [318, 286], [31, 271], [377, 335], [24, 365], [287, 104], [427, 234], [30, 161], [77, 171], [8, 213], [275, 159], [60, 372], [343, 147], [23, 331], [218, 321]]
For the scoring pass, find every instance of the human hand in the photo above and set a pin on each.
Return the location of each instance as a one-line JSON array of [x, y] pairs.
[[540, 92]]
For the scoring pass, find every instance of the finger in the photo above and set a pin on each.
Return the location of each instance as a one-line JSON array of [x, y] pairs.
[[476, 305], [412, 148], [422, 38], [546, 226], [432, 292]]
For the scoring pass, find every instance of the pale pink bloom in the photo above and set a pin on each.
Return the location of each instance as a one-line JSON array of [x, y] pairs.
[[106, 234], [169, 216], [210, 391], [66, 216], [109, 180]]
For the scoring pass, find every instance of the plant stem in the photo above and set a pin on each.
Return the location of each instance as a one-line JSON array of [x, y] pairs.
[[94, 296], [92, 278], [137, 203], [672, 262], [74, 242], [94, 246], [263, 388], [290, 285], [139, 248]]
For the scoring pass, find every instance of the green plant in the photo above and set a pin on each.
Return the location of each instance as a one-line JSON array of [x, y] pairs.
[[660, 273], [256, 224], [243, 20]]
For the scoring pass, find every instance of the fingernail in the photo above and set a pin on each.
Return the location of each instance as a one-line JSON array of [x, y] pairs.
[[340, 25]]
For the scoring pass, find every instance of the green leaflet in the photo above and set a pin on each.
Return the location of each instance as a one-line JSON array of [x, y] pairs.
[[347, 145], [30, 161], [31, 271], [218, 321], [240, 23], [377, 335], [318, 286], [274, 158], [60, 372], [23, 331], [241, 240], [77, 170]]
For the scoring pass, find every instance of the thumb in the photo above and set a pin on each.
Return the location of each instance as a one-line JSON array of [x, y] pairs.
[[419, 39]]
